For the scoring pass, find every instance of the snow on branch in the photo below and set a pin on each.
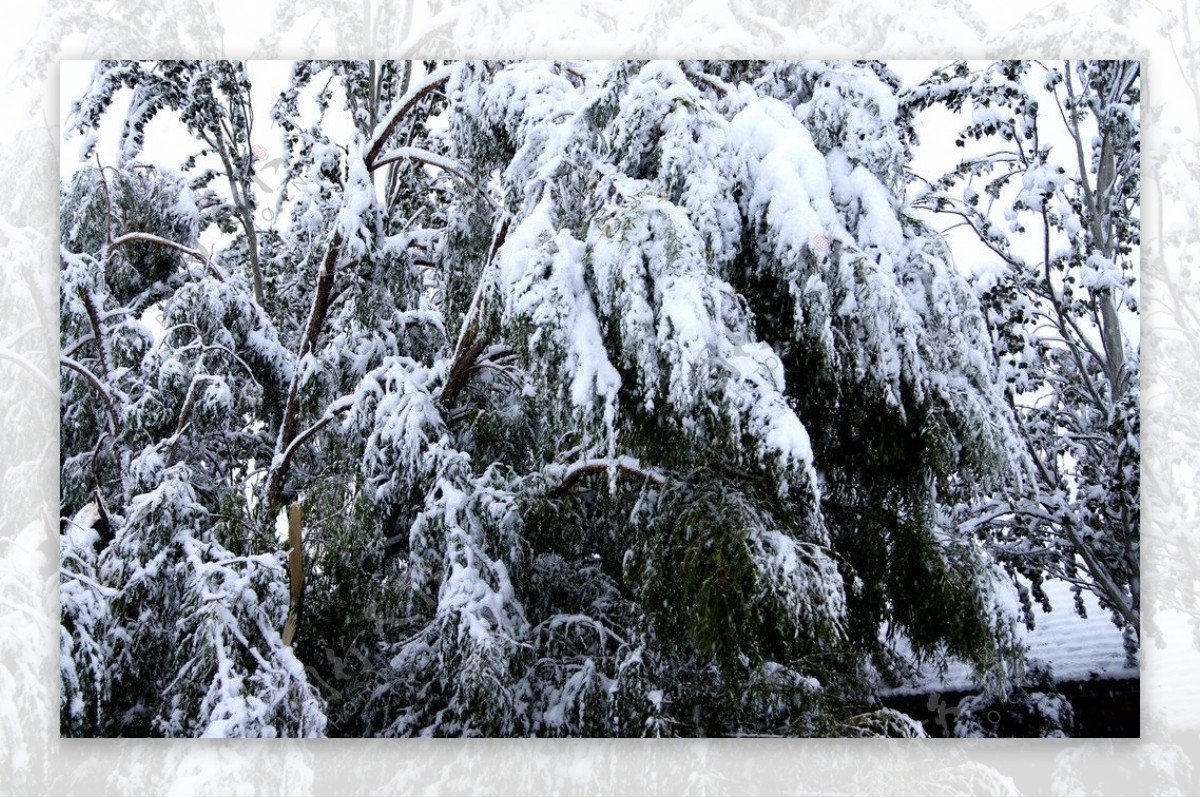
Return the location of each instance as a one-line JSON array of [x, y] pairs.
[[402, 107], [94, 381], [448, 165], [149, 238], [570, 475]]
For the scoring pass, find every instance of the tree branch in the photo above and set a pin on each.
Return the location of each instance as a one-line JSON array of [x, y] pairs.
[[243, 209], [403, 106], [150, 238], [308, 344], [459, 371], [98, 385], [626, 465], [447, 165], [279, 471]]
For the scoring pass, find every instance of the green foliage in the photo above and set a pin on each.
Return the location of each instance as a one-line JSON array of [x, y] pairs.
[[713, 576], [98, 207], [611, 400]]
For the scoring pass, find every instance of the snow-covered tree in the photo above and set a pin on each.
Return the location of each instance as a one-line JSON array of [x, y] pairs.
[[595, 399], [1056, 200], [172, 604]]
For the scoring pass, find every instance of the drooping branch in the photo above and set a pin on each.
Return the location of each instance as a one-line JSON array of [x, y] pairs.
[[1053, 517], [149, 238], [280, 469], [448, 165], [403, 106], [625, 465], [190, 399], [98, 385]]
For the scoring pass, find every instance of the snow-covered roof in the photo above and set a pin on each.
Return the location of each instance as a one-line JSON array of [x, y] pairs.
[[1076, 648]]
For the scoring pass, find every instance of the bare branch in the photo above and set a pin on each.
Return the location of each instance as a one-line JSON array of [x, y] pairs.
[[448, 165]]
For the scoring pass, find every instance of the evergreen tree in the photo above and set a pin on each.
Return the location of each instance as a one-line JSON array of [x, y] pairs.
[[559, 399]]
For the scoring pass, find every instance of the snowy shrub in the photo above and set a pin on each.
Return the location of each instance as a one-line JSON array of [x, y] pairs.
[[1034, 708]]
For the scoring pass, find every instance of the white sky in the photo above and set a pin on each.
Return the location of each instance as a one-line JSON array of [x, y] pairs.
[[168, 143]]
